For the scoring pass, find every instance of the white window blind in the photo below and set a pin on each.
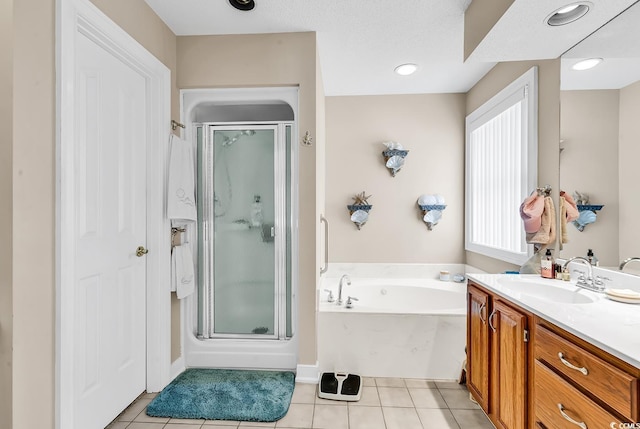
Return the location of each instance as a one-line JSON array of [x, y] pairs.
[[501, 166]]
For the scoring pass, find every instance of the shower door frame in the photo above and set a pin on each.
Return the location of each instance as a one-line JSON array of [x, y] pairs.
[[206, 240]]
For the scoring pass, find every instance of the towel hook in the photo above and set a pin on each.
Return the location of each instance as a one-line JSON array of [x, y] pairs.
[[175, 124]]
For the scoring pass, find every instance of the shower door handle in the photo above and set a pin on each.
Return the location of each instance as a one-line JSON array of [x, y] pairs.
[[273, 231], [326, 245]]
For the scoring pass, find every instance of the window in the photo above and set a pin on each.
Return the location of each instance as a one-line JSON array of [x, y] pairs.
[[501, 170]]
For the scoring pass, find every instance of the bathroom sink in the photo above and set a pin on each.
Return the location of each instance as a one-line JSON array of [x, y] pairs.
[[537, 289]]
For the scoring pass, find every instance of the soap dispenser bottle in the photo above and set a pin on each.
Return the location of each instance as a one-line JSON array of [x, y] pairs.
[[546, 265], [593, 260], [256, 212]]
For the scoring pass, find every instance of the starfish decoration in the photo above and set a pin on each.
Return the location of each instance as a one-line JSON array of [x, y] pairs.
[[361, 199]]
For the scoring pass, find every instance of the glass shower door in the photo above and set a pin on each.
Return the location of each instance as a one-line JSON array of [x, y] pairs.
[[242, 212]]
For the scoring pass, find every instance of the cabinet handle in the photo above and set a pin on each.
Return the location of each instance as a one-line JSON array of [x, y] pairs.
[[493, 328], [583, 425], [570, 365], [482, 307]]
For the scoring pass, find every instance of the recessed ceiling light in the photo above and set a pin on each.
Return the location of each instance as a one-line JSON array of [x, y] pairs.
[[243, 4], [586, 64], [406, 69], [568, 14]]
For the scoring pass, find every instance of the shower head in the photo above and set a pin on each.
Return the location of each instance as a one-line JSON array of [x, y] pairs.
[[229, 141]]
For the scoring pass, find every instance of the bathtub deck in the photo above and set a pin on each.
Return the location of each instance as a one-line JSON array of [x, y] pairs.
[[387, 403]]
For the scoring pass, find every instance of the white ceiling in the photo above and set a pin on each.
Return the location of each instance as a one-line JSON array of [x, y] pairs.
[[360, 42]]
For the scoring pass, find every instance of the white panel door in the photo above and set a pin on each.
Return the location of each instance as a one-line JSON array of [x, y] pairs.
[[109, 279]]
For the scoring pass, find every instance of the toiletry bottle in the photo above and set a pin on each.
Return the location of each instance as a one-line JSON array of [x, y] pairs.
[[546, 265], [256, 212], [592, 258]]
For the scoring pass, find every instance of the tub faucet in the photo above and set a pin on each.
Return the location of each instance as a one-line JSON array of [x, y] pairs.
[[626, 261], [589, 283], [346, 278]]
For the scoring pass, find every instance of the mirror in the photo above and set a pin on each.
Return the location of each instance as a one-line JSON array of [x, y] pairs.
[[600, 140]]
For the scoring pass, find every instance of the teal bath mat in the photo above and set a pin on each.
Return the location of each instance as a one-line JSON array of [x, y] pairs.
[[223, 394]]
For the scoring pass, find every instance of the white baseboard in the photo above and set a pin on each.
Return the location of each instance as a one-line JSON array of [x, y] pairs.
[[177, 368], [307, 374]]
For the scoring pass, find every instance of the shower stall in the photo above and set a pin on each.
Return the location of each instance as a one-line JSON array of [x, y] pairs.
[[244, 314]]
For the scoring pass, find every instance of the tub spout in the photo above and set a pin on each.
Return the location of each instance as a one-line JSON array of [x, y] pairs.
[[344, 278]]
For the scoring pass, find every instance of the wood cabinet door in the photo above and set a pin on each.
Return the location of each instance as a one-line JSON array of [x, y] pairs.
[[509, 348], [478, 346]]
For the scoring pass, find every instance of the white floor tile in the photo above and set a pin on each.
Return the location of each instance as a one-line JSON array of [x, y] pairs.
[[395, 397], [299, 416], [427, 398], [401, 418], [221, 423], [458, 399], [438, 419], [366, 418], [304, 393], [472, 419], [142, 425], [331, 417], [133, 410], [390, 382], [420, 383]]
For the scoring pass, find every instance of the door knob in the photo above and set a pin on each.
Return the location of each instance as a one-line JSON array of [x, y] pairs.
[[141, 251]]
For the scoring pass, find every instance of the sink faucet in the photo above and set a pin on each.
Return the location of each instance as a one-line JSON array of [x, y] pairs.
[[589, 283], [626, 261], [342, 279]]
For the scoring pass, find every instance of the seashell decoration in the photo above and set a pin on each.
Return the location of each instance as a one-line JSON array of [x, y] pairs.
[[431, 206], [587, 211], [395, 163], [394, 156], [359, 211]]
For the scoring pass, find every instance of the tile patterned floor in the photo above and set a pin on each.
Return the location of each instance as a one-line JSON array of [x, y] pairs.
[[386, 403]]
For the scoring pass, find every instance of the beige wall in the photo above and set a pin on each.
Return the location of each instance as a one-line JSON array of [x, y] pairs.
[[287, 59], [548, 127], [431, 127], [33, 214], [6, 206], [479, 19], [34, 193], [629, 173], [589, 163]]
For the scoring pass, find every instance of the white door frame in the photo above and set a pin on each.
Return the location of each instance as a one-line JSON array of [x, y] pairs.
[[74, 17]]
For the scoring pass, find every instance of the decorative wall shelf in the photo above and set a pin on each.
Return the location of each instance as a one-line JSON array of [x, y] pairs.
[[359, 211], [394, 159]]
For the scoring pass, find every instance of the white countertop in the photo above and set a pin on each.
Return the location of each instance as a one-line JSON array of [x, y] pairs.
[[610, 325]]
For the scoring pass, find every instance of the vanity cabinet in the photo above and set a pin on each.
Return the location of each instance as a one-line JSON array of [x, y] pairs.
[[497, 358], [526, 372], [576, 383]]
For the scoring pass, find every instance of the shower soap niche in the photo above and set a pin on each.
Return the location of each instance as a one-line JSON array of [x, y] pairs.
[[340, 386]]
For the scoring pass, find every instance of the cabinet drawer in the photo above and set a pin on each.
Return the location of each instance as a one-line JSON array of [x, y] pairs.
[[606, 382], [557, 403]]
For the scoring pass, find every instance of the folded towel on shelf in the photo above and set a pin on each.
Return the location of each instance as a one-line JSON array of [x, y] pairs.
[[182, 271], [531, 212], [181, 202], [547, 232]]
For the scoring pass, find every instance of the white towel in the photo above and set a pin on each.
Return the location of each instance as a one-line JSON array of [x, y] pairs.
[[181, 202], [182, 278]]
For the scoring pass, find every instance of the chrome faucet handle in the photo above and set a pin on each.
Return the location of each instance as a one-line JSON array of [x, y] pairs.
[[349, 303], [599, 281], [330, 297]]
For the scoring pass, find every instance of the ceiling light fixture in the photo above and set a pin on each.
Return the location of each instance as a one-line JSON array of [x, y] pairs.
[[243, 4], [406, 69], [586, 64], [568, 14]]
